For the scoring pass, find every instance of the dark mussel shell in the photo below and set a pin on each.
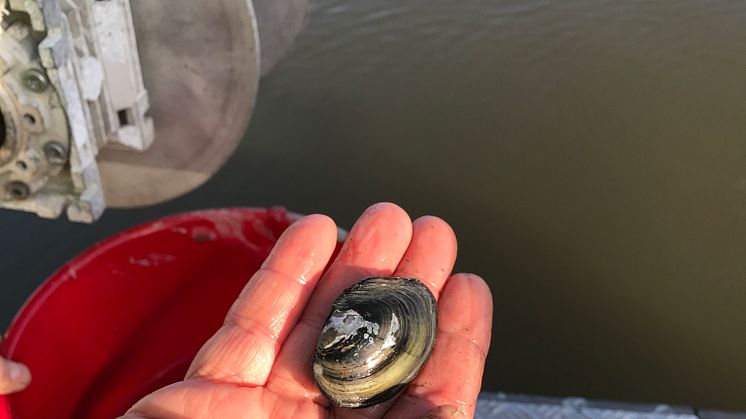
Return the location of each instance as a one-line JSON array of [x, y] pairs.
[[378, 337]]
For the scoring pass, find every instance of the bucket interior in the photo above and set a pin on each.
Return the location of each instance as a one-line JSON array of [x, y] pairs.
[[127, 317]]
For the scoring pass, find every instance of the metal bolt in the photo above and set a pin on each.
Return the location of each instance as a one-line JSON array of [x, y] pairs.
[[17, 191], [56, 153], [35, 80]]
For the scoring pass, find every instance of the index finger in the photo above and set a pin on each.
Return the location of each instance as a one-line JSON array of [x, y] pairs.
[[244, 349]]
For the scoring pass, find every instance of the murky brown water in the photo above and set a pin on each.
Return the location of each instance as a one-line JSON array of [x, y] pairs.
[[591, 156]]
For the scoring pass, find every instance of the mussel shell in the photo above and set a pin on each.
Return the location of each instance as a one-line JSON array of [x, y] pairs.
[[377, 338]]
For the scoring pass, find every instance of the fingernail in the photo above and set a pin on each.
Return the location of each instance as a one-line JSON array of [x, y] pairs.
[[18, 372]]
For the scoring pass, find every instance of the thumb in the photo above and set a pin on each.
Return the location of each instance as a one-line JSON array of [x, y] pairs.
[[445, 412], [14, 377]]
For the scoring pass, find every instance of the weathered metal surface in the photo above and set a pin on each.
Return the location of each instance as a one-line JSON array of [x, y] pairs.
[[200, 62], [33, 122], [80, 89], [280, 22], [503, 406]]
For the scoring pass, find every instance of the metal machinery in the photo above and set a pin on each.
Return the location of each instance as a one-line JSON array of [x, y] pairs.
[[127, 103]]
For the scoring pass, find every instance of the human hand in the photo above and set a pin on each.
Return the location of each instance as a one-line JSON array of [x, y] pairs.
[[258, 364], [14, 377]]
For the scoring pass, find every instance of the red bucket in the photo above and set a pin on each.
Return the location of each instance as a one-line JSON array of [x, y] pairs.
[[127, 316]]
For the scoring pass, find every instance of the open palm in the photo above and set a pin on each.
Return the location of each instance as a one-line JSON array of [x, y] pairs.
[[258, 364]]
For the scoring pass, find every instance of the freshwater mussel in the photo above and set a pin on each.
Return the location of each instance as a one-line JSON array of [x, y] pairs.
[[378, 337]]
